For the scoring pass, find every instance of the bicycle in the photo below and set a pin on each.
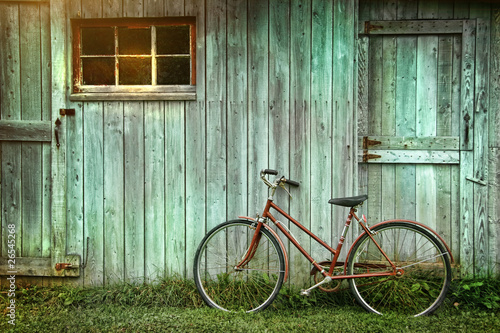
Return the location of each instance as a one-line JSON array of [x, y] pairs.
[[396, 265]]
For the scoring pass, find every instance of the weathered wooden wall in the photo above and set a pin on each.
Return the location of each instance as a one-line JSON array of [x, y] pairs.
[[277, 87], [146, 180]]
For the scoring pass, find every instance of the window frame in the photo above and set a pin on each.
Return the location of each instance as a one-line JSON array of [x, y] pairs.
[[130, 92]]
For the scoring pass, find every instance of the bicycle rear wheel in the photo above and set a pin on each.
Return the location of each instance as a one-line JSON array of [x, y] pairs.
[[249, 288], [422, 261]]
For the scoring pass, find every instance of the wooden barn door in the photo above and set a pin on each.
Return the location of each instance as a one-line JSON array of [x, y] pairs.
[[32, 145], [414, 120]]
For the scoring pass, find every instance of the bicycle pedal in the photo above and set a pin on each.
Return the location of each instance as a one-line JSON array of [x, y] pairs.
[[305, 292]]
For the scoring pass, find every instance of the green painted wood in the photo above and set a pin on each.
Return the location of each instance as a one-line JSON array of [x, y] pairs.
[[93, 193], [426, 118], [494, 114], [175, 204], [134, 191], [300, 140], [237, 101], [195, 145], [321, 124], [21, 130], [216, 118], [258, 93], [467, 85], [409, 143], [406, 70], [481, 109], [410, 27], [114, 188], [10, 109], [76, 238]]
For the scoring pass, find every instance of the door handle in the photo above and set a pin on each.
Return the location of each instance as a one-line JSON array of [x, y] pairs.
[[56, 132]]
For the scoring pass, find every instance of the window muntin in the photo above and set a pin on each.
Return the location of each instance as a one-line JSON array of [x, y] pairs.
[[134, 55]]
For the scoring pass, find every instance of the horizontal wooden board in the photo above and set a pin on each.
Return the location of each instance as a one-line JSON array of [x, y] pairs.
[[409, 143], [26, 266], [412, 27], [411, 156], [25, 130]]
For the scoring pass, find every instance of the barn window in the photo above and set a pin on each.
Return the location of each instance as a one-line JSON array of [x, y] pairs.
[[140, 58]]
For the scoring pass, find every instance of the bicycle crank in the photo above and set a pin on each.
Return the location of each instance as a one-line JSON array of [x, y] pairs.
[[332, 285]]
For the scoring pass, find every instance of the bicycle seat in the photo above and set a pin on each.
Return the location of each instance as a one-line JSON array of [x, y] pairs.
[[349, 201]]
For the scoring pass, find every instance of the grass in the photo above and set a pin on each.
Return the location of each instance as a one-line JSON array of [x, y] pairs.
[[173, 305]]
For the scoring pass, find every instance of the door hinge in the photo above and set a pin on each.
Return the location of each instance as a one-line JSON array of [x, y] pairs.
[[367, 143], [61, 266], [67, 112], [367, 156]]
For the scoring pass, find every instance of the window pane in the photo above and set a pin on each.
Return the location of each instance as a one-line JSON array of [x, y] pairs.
[[98, 41], [135, 71], [134, 41], [98, 71], [173, 39], [173, 70]]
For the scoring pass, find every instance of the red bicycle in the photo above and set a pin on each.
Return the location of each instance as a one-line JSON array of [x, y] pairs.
[[396, 265]]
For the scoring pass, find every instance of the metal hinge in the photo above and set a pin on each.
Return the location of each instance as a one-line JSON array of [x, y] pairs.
[[367, 156], [61, 266], [368, 143]]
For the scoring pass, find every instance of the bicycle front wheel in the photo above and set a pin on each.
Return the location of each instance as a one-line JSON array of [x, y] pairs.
[[251, 287], [422, 265]]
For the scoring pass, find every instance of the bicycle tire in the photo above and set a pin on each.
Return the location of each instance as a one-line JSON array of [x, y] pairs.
[[250, 289], [425, 263]]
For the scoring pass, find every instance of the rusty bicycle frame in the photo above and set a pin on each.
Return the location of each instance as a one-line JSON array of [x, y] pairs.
[[266, 215]]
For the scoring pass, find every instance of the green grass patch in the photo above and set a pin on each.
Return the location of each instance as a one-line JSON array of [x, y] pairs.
[[173, 305]]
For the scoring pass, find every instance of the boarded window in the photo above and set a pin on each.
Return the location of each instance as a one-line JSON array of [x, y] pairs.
[[141, 55]]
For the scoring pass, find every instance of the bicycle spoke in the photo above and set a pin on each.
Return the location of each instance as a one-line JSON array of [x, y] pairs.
[[423, 270]]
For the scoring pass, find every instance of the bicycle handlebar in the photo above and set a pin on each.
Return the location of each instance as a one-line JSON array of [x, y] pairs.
[[282, 179]]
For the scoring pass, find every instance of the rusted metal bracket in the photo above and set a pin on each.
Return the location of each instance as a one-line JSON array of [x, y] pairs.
[[367, 143], [371, 27], [367, 156], [67, 112], [60, 266]]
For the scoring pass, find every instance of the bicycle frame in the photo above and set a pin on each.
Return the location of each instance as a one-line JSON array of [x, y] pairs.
[[336, 252]]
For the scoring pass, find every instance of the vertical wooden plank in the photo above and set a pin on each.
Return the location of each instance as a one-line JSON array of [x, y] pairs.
[[133, 8], [343, 94], [321, 124], [494, 114], [481, 109], [388, 116], [466, 144], [114, 249], [134, 179], [195, 133], [445, 187], [467, 82], [406, 70], [258, 93], [426, 103], [216, 135], [375, 80], [175, 169], [237, 83], [46, 115], [10, 109], [300, 141], [76, 238], [58, 153], [173, 7], [466, 215], [279, 88], [155, 164], [31, 152], [93, 192], [153, 8], [494, 142]]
